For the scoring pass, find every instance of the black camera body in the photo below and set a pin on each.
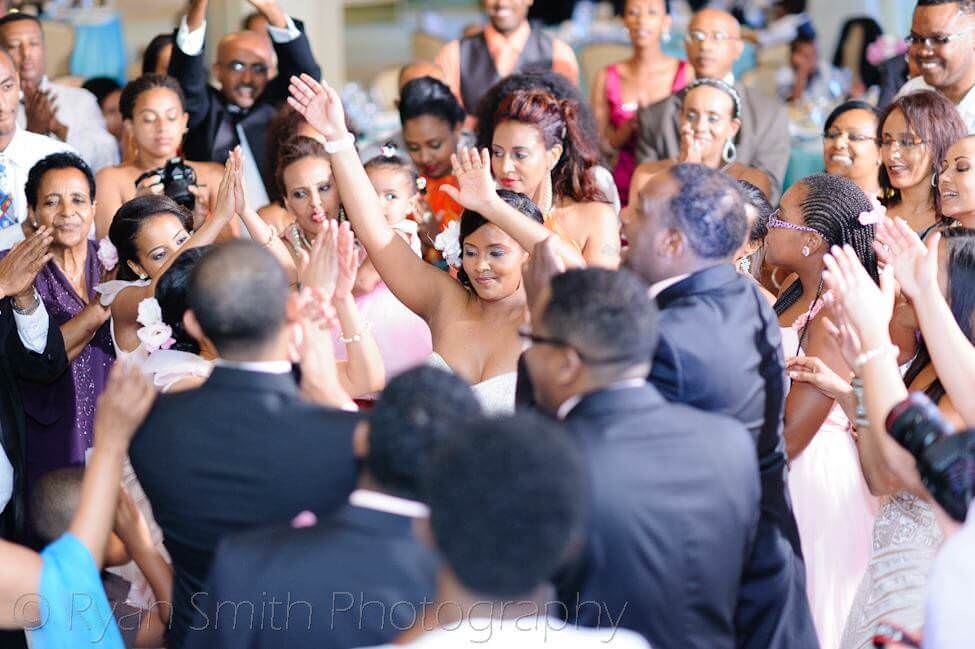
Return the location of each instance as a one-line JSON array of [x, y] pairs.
[[176, 178], [945, 460]]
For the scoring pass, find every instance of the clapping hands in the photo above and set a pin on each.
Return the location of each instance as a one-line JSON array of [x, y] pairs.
[[21, 265], [914, 263]]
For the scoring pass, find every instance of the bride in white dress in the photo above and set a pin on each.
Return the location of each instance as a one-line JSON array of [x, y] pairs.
[[473, 319]]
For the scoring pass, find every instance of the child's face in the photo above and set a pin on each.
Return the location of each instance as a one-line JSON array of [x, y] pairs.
[[396, 192]]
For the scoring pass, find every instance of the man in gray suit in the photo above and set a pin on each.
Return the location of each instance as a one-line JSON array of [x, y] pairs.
[[713, 45]]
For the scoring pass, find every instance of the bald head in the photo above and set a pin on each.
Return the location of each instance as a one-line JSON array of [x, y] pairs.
[[243, 60], [419, 69], [713, 43]]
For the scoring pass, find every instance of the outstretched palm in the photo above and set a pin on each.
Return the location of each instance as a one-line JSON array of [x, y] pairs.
[[319, 104], [473, 172]]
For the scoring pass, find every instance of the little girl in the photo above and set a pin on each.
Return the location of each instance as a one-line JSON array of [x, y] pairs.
[[398, 186]]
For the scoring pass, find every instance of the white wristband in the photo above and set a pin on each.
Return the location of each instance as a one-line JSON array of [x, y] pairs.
[[866, 357], [335, 146]]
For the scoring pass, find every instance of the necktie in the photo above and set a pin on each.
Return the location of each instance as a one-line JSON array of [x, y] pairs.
[[7, 216], [226, 137]]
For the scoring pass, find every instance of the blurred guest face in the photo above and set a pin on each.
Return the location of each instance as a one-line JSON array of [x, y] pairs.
[[957, 180], [850, 148], [9, 96], [948, 62], [64, 204], [713, 43], [25, 42], [651, 244], [493, 261], [645, 20], [113, 118], [309, 194], [906, 158], [430, 142], [519, 159], [162, 63], [708, 113], [395, 189], [158, 123], [507, 15], [550, 374], [243, 60], [160, 239]]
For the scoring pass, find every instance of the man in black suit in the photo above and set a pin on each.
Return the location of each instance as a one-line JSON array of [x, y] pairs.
[[675, 490], [365, 553], [720, 350], [245, 449], [31, 349], [239, 113]]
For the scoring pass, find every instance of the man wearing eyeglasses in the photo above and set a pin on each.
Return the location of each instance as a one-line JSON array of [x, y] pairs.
[[240, 111], [713, 45], [942, 43]]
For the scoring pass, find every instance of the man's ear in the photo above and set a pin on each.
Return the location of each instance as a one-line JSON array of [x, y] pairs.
[[671, 243]]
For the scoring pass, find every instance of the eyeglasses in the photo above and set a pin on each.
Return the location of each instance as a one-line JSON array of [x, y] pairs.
[[856, 138], [699, 36], [775, 222], [240, 66], [934, 41], [525, 333], [903, 142]]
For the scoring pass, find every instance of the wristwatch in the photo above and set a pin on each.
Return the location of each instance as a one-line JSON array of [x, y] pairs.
[[35, 302]]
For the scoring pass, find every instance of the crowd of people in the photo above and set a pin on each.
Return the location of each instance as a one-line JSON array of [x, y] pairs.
[[553, 370]]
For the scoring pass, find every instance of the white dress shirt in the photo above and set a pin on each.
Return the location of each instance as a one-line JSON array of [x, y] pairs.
[[659, 287], [966, 107], [32, 330], [24, 151], [78, 110], [388, 504], [191, 43], [263, 367], [948, 619]]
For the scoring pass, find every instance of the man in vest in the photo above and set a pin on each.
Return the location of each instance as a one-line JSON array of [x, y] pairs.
[[508, 44]]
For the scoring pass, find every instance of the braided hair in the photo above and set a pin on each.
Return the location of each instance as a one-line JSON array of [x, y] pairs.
[[832, 207]]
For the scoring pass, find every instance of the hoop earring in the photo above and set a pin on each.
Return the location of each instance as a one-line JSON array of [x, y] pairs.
[[545, 198], [730, 151], [934, 180]]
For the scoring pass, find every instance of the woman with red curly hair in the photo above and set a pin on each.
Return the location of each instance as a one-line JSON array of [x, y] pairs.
[[540, 149]]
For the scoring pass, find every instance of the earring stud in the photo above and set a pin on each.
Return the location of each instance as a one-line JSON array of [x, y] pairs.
[[805, 251]]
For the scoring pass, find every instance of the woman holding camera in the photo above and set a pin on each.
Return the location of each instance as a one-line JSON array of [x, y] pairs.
[[154, 114]]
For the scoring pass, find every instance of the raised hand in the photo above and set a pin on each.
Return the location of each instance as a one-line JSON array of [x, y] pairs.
[[915, 263], [239, 189], [130, 524], [689, 150], [21, 265], [473, 171], [348, 262], [271, 10], [320, 105], [322, 270], [867, 308], [40, 109], [122, 406], [225, 207]]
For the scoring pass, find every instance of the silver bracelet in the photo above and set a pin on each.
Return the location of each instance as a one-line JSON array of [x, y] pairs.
[[873, 354], [357, 337], [30, 309]]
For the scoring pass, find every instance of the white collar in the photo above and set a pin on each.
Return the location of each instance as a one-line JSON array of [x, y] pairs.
[[11, 150], [264, 367], [659, 287], [569, 404], [381, 502]]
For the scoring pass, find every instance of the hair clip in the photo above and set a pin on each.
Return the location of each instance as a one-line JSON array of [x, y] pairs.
[[421, 184], [388, 150]]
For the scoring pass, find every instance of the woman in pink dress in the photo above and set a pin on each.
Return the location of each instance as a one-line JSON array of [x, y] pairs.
[[645, 78]]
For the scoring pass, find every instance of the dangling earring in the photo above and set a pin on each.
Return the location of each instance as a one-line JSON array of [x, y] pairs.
[[143, 276], [545, 197], [745, 265], [934, 180], [805, 251], [665, 36], [729, 152]]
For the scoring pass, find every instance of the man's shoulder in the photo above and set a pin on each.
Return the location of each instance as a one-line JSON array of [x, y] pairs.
[[760, 102], [35, 146], [913, 85]]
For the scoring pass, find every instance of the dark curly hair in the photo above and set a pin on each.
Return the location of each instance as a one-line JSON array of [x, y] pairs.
[[832, 207], [171, 294], [406, 426], [937, 123], [50, 163], [134, 88], [128, 222], [508, 496], [471, 221], [708, 209], [429, 96], [557, 120]]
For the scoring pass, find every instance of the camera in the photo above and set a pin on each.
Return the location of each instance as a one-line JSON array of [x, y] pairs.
[[945, 460], [176, 178]]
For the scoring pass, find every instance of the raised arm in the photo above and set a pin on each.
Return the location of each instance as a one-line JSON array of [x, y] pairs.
[[478, 194], [418, 285], [291, 46], [187, 66]]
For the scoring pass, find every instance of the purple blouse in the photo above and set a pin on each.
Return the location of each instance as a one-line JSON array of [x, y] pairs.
[[60, 415]]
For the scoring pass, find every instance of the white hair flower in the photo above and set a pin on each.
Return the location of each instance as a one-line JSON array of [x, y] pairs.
[[875, 215], [154, 333], [448, 243], [107, 254]]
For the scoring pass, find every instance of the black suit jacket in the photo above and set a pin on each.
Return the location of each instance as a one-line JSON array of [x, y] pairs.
[[675, 509], [321, 576], [17, 363], [207, 106], [243, 450], [720, 350]]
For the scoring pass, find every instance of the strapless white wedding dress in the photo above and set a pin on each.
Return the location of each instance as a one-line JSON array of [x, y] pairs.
[[497, 394]]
